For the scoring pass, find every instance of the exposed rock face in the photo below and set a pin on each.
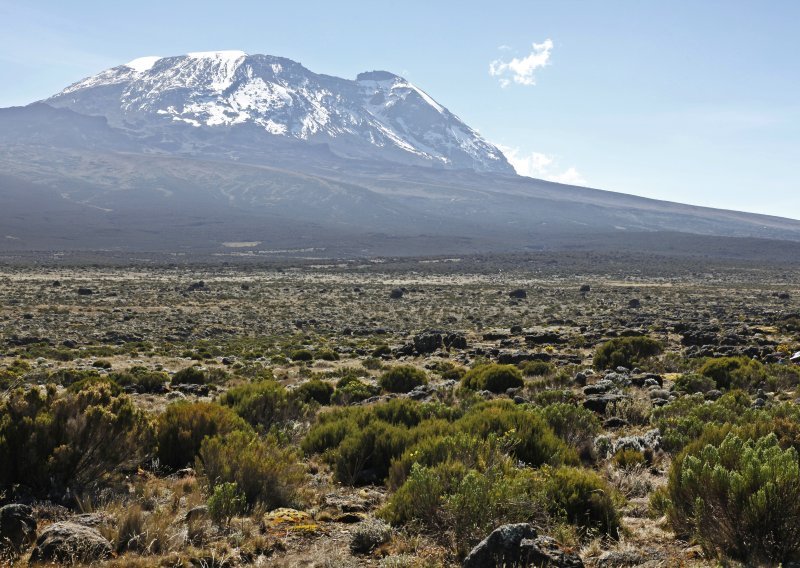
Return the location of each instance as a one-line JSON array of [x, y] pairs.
[[70, 542], [17, 527], [519, 545]]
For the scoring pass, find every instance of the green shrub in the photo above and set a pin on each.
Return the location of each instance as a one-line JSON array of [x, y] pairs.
[[88, 383], [381, 350], [466, 503], [264, 471], [464, 448], [734, 372], [584, 499], [141, 379], [301, 355], [225, 503], [316, 390], [402, 379], [738, 498], [493, 377], [684, 419], [628, 458], [190, 376], [352, 390], [67, 377], [365, 455], [527, 433], [262, 404], [183, 426], [693, 383], [538, 368], [327, 355], [50, 442], [625, 352], [576, 425]]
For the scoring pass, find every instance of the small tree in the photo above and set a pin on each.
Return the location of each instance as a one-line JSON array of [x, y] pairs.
[[225, 503]]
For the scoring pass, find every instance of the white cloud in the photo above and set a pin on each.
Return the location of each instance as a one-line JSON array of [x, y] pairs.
[[520, 71], [542, 166]]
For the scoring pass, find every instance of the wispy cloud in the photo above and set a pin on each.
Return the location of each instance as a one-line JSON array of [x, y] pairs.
[[520, 70], [542, 166]]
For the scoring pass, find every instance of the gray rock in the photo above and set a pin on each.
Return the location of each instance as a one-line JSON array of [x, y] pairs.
[[519, 545], [17, 527], [70, 542]]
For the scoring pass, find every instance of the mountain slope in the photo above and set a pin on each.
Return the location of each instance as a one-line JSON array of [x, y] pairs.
[[379, 115], [193, 153]]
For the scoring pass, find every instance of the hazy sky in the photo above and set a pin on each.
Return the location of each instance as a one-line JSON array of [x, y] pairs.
[[695, 101]]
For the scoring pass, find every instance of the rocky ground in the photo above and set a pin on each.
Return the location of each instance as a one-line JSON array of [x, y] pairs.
[[433, 314]]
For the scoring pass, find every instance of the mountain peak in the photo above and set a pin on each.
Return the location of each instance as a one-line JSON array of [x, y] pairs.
[[142, 64], [380, 115], [377, 76]]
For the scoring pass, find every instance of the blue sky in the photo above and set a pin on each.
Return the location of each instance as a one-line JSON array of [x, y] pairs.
[[686, 100]]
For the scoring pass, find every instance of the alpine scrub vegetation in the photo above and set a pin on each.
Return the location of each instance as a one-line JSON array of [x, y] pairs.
[[493, 377], [739, 499], [625, 352]]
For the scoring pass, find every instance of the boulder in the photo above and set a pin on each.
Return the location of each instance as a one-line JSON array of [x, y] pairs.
[[17, 527], [70, 542], [519, 294], [519, 545], [396, 294]]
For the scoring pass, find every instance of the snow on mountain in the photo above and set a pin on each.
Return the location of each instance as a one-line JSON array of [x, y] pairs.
[[379, 115]]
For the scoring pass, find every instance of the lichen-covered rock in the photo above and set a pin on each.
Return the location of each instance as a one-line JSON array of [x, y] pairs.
[[68, 542]]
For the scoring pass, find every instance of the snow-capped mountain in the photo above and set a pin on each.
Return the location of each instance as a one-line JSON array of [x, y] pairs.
[[379, 115]]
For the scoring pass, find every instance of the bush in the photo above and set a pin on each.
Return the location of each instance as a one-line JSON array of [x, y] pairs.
[[685, 419], [263, 470], [327, 355], [693, 383], [352, 389], [190, 376], [628, 458], [537, 368], [183, 426], [464, 502], [263, 404], [365, 455], [576, 425], [584, 499], [739, 499], [225, 503], [528, 435], [316, 390], [67, 377], [368, 535], [141, 379], [464, 448], [493, 377], [625, 352], [734, 372], [302, 355], [75, 440], [402, 379]]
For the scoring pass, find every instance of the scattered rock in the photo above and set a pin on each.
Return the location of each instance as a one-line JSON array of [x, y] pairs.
[[17, 527], [519, 545], [70, 542]]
